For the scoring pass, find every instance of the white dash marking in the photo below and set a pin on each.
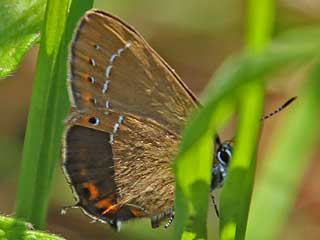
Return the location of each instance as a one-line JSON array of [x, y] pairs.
[[111, 139], [105, 86], [107, 105], [92, 79], [128, 44], [94, 101], [120, 120], [111, 62], [92, 62], [115, 127], [108, 71], [113, 57], [120, 50]]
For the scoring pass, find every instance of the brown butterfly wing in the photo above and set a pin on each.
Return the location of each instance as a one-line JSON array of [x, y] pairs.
[[128, 110], [88, 176], [130, 175]]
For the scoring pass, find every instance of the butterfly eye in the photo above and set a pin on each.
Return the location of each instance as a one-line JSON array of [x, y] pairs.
[[224, 154]]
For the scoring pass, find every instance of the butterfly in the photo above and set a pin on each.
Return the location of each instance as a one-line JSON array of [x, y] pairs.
[[128, 108]]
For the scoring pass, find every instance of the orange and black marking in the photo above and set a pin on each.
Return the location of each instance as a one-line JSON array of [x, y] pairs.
[[90, 168], [93, 190]]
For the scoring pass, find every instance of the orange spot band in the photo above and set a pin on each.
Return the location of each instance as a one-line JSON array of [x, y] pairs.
[[93, 190]]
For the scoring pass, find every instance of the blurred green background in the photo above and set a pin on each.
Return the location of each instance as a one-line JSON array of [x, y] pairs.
[[194, 37]]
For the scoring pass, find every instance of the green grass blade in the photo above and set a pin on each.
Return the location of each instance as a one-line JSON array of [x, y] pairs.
[[11, 228], [236, 195], [230, 78], [20, 32], [38, 154], [49, 106], [195, 185], [239, 185], [285, 164], [260, 24]]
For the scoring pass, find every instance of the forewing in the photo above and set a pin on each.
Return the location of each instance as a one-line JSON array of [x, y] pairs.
[[113, 67]]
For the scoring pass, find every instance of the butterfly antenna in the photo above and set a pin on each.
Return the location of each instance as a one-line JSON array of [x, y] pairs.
[[286, 104]]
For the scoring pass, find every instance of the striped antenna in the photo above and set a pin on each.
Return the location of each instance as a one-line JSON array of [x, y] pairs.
[[287, 103]]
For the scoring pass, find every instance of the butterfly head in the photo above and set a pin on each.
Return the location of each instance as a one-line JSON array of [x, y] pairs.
[[222, 157]]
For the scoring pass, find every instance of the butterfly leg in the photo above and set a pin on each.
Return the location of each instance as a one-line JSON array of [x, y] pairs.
[[158, 219], [215, 205], [135, 208], [66, 208], [170, 220]]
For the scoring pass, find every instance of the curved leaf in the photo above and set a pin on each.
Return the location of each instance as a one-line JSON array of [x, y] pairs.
[[11, 228], [19, 30]]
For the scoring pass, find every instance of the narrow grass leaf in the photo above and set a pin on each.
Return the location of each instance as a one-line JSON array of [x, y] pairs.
[[193, 176], [236, 195], [49, 106], [285, 164], [239, 185], [38, 154]]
